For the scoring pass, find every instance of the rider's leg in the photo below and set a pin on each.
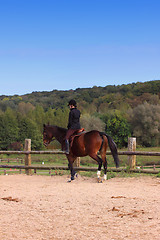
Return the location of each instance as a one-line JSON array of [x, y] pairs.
[[68, 135]]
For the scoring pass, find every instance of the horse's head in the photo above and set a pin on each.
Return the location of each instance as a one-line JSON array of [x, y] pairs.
[[47, 135], [52, 131]]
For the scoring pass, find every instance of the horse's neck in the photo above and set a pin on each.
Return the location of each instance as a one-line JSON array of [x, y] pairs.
[[59, 134]]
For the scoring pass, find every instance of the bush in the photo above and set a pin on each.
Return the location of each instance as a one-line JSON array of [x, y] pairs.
[[145, 121], [118, 128], [92, 123]]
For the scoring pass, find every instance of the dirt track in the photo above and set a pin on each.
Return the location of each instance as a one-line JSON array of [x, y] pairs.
[[40, 207]]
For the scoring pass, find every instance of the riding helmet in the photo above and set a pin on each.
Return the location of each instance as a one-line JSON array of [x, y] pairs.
[[72, 102]]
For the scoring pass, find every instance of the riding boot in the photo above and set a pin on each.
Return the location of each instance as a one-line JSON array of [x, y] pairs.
[[67, 146]]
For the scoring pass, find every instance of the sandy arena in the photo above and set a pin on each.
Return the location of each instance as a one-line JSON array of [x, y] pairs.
[[45, 207]]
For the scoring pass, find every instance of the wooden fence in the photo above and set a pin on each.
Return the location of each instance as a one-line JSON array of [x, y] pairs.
[[131, 153]]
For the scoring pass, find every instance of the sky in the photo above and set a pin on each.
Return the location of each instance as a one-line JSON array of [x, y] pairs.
[[69, 44]]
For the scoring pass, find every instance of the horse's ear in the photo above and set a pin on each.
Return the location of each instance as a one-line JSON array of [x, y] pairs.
[[44, 125]]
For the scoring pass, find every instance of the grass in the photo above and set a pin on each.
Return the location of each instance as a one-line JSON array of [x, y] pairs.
[[61, 160], [82, 173], [142, 160]]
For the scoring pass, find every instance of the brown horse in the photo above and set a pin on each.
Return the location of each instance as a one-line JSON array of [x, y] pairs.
[[87, 143]]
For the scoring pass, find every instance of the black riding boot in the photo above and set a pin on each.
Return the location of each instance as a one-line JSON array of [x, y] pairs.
[[67, 146]]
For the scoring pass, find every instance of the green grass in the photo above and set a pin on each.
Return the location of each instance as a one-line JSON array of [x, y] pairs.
[[61, 160], [81, 173], [142, 160]]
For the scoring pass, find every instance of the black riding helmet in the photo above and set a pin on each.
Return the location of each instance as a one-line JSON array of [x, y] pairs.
[[72, 102]]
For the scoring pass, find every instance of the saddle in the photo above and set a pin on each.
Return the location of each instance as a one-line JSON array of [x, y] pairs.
[[75, 134]]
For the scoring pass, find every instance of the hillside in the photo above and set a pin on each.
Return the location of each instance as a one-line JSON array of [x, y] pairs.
[[96, 98], [121, 111]]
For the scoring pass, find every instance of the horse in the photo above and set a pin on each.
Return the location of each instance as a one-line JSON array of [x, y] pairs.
[[87, 143]]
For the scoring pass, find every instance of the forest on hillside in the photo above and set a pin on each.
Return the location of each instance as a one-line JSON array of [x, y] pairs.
[[121, 111]]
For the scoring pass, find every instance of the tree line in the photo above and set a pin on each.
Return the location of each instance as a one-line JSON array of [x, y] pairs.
[[120, 111]]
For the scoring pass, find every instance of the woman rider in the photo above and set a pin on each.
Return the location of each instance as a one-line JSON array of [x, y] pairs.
[[73, 122]]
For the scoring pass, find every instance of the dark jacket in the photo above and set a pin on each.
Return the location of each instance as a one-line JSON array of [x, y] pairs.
[[74, 117]]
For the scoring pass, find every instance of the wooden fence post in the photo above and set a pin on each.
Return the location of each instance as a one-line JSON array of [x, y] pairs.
[[132, 148], [27, 147], [77, 162]]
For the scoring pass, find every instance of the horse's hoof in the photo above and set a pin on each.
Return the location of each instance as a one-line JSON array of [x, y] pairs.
[[76, 175], [71, 179], [105, 177], [99, 180]]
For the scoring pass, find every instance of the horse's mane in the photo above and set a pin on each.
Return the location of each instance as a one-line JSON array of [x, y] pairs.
[[60, 128]]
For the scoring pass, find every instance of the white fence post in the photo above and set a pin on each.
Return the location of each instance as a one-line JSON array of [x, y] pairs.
[[132, 148]]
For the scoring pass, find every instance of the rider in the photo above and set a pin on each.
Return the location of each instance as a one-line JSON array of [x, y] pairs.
[[73, 122]]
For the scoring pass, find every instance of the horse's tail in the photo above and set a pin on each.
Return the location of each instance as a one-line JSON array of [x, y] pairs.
[[113, 148]]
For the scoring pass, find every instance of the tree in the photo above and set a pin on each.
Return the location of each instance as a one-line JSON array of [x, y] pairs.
[[117, 127], [61, 117], [15, 128], [24, 108], [37, 116], [92, 123], [29, 129], [145, 121], [8, 129], [50, 116]]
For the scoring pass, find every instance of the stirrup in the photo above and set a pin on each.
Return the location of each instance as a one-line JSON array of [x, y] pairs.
[[66, 152], [67, 147]]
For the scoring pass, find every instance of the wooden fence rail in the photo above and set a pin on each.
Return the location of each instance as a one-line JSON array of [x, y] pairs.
[[92, 169], [132, 161], [61, 152], [32, 152]]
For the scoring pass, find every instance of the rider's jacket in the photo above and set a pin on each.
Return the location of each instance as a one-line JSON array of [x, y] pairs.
[[74, 117]]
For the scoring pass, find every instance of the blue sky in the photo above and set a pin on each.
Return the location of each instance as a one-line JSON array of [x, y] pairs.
[[69, 44]]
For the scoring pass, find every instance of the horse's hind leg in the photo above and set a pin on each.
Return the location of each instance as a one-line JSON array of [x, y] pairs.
[[105, 168], [103, 156], [99, 161]]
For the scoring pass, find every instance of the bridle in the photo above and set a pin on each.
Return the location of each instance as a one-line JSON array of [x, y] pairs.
[[46, 142]]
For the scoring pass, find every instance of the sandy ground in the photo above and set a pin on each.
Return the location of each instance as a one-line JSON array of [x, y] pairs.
[[45, 207]]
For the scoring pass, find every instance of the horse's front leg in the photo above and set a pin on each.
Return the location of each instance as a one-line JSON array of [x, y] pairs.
[[70, 166]]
